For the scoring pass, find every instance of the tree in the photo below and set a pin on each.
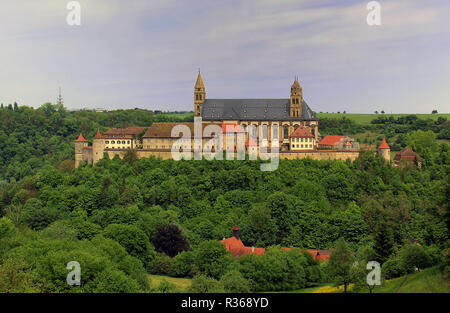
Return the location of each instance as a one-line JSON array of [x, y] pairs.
[[421, 140], [133, 240], [17, 277], [233, 281], [211, 258], [340, 264], [183, 264], [170, 240], [383, 242], [413, 256], [205, 284]]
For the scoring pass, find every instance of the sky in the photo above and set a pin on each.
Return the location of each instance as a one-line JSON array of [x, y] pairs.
[[146, 54]]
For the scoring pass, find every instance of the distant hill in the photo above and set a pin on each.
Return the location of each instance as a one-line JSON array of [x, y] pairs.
[[367, 118]]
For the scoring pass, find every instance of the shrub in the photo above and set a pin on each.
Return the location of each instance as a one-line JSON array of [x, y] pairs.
[[183, 264], [205, 284], [133, 240], [212, 258], [233, 281], [392, 268], [413, 256], [162, 264]]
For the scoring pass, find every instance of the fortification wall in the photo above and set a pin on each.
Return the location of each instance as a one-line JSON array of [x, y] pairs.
[[315, 155]]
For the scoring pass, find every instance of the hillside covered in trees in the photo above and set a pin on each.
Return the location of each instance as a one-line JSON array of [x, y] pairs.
[[123, 219]]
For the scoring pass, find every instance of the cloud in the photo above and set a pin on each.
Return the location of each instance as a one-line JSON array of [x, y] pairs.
[[146, 53]]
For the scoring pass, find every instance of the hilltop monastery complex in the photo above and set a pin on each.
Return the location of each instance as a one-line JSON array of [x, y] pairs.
[[289, 125]]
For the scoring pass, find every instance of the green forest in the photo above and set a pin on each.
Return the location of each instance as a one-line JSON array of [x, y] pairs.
[[123, 219]]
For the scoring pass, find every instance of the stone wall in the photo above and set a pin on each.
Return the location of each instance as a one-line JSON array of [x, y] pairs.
[[315, 155]]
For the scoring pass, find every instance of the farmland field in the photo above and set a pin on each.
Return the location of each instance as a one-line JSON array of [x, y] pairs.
[[367, 118]]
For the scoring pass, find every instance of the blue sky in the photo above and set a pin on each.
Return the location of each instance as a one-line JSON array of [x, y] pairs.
[[146, 54]]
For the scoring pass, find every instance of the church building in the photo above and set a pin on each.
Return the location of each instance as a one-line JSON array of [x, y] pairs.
[[287, 124]]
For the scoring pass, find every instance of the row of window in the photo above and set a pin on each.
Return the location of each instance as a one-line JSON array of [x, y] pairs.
[[302, 140], [302, 146], [118, 142]]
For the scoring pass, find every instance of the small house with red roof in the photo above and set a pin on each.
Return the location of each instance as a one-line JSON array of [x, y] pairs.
[[237, 248], [341, 143], [302, 139], [407, 157]]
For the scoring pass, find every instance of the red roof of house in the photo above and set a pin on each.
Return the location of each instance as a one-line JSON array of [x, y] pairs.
[[98, 135], [81, 139], [330, 140], [407, 154], [301, 131], [250, 142], [237, 249], [384, 144]]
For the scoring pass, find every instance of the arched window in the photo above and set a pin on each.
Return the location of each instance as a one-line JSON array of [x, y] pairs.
[[286, 131]]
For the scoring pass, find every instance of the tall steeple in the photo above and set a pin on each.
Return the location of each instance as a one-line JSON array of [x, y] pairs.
[[199, 95], [296, 99]]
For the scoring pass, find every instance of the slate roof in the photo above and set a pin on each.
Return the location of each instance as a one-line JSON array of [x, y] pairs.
[[253, 110]]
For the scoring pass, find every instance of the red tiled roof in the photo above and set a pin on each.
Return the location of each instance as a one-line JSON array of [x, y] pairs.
[[98, 135], [250, 142], [330, 140], [384, 144], [301, 131], [407, 154], [81, 139], [236, 247]]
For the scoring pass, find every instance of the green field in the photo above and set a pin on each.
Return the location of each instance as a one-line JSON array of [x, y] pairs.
[[181, 283], [367, 118], [429, 280]]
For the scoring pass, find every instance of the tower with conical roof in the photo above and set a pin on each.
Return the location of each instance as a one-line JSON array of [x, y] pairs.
[[296, 99], [80, 143], [385, 151], [199, 95]]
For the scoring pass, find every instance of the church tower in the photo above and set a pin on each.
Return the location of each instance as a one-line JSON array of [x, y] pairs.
[[199, 95], [296, 99]]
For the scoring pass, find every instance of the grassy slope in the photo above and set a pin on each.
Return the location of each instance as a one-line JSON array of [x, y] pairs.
[[366, 118], [181, 283], [428, 280]]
